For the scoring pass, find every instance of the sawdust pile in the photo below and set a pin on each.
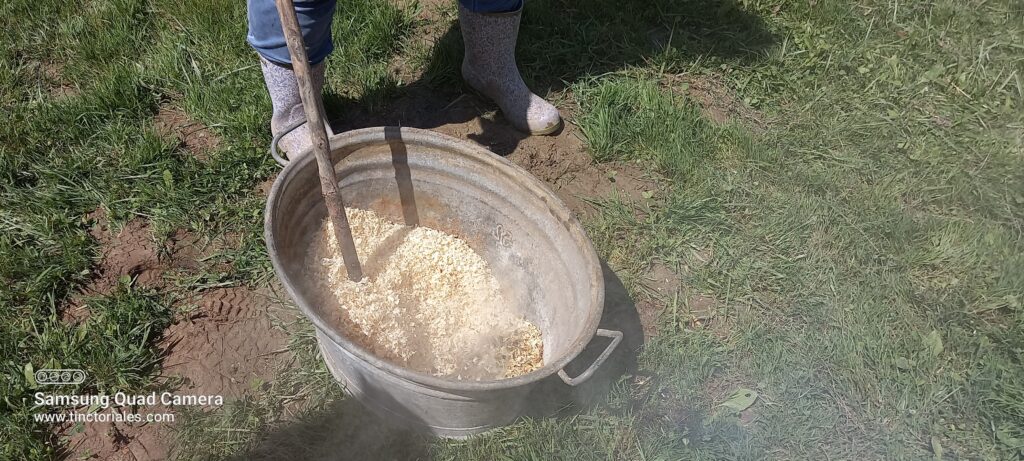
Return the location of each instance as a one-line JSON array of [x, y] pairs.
[[427, 301]]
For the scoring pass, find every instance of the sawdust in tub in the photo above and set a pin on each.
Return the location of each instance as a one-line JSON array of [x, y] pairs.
[[427, 301]]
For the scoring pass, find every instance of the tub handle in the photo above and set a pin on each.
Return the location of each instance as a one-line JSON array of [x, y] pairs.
[[616, 337], [277, 138]]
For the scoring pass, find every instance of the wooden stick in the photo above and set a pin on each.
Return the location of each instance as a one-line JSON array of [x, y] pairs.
[[312, 105]]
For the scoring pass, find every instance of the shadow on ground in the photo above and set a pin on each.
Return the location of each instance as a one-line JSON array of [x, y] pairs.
[[344, 430], [561, 42], [348, 430], [553, 396]]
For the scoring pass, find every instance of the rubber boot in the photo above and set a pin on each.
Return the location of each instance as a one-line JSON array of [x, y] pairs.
[[284, 96], [489, 67]]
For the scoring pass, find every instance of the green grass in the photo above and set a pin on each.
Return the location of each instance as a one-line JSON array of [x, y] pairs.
[[115, 344], [635, 121], [868, 246], [863, 247], [63, 156]]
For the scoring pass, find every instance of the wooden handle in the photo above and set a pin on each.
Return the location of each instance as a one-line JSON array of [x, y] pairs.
[[313, 106]]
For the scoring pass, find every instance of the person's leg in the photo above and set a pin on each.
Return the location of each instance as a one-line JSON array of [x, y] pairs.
[[267, 38], [489, 30]]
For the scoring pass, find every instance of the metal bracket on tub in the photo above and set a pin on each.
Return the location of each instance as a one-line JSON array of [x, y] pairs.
[[616, 337]]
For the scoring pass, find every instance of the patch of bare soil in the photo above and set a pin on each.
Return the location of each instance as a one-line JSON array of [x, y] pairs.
[[649, 310], [225, 344], [660, 285], [701, 307], [192, 135], [56, 85], [432, 21], [431, 10], [265, 186], [716, 99], [116, 441], [662, 281], [132, 252], [703, 312], [228, 345]]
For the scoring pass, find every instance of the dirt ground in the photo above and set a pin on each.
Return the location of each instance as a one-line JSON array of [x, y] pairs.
[[224, 340], [197, 139]]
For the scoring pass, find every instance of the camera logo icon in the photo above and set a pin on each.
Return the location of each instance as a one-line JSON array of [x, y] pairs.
[[60, 377]]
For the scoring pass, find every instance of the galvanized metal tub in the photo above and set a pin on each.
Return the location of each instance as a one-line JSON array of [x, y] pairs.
[[544, 262]]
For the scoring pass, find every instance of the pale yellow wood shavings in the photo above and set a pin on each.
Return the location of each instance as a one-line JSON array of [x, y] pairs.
[[427, 302]]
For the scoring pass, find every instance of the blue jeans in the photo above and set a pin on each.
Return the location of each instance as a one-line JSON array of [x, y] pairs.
[[315, 16]]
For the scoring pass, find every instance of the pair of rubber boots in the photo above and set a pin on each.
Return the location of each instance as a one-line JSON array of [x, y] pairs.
[[489, 67]]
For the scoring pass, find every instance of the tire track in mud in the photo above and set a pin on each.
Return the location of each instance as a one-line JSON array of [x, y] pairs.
[[226, 344]]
